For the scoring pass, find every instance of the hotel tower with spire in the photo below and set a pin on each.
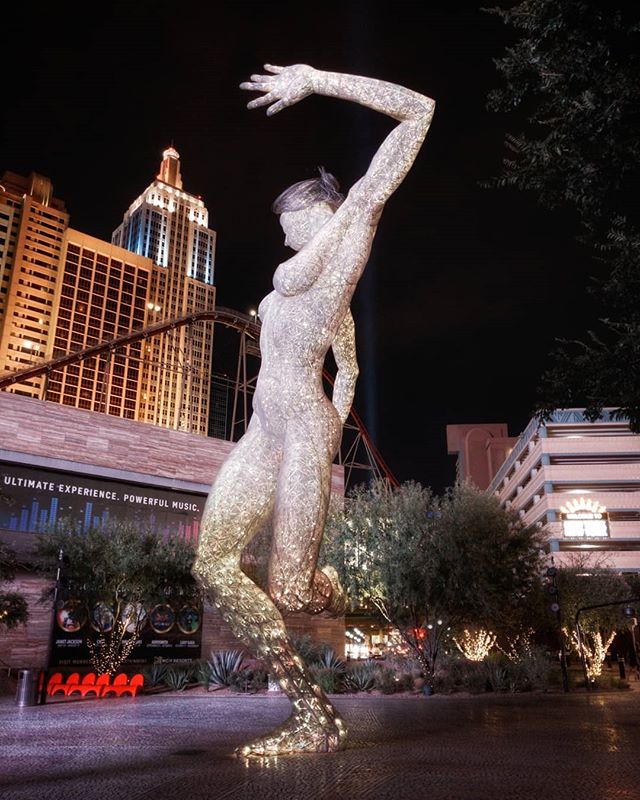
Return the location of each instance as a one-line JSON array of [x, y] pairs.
[[170, 227]]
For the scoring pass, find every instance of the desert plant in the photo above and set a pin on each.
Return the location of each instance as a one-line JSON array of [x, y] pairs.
[[248, 680], [221, 666], [361, 677], [497, 671], [308, 650], [329, 660], [458, 674], [177, 677], [154, 675], [328, 678]]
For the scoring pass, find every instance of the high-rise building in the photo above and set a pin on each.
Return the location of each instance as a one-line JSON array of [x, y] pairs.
[[103, 294], [170, 226], [32, 228]]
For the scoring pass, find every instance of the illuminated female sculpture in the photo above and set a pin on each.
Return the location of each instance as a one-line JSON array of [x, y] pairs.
[[280, 470]]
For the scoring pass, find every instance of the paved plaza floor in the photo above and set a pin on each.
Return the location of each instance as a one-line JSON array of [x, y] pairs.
[[576, 746]]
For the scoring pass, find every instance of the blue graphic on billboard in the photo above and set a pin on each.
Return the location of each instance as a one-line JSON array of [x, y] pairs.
[[33, 499]]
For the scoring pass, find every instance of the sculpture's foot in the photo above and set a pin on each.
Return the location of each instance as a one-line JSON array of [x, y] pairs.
[[298, 735]]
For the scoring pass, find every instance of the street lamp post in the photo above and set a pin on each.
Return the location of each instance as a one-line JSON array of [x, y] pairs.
[[52, 632], [555, 607]]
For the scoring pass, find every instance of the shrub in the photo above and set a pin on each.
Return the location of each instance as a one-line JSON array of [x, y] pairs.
[[385, 679], [249, 680], [620, 683], [457, 674], [533, 670]]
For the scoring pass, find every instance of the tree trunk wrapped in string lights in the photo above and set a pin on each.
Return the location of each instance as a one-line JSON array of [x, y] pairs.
[[280, 470]]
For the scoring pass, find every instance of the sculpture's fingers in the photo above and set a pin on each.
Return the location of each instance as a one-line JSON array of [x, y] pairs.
[[277, 107], [260, 78], [250, 86], [261, 101], [273, 68]]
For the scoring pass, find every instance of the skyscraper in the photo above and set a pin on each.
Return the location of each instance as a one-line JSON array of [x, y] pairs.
[[104, 294], [32, 229], [170, 226]]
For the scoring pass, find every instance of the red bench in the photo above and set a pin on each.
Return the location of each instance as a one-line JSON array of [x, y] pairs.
[[100, 686]]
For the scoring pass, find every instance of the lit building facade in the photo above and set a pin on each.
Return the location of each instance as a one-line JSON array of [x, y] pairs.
[[170, 226], [32, 229], [579, 480], [103, 294]]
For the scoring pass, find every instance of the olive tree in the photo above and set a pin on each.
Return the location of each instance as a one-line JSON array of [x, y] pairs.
[[583, 583], [427, 564], [14, 610], [121, 573]]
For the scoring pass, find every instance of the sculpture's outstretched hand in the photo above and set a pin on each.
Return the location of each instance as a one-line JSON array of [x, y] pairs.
[[284, 87]]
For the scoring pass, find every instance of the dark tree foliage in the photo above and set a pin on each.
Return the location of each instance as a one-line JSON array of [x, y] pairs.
[[13, 607], [574, 75], [586, 582]]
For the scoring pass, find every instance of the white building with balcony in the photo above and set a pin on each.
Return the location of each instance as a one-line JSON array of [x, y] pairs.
[[578, 479]]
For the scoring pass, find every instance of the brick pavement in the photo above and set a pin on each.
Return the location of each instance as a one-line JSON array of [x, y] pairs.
[[479, 747]]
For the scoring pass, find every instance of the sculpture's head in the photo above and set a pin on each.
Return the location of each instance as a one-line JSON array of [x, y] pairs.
[[306, 206]]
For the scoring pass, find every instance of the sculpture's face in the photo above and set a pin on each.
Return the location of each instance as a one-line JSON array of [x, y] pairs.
[[301, 226]]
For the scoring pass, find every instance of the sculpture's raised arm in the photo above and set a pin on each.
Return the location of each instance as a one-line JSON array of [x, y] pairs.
[[344, 353], [285, 86]]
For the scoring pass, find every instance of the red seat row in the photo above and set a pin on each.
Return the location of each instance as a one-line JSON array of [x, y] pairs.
[[100, 685]]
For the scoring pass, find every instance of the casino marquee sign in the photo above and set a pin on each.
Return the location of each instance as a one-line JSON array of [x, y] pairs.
[[584, 518]]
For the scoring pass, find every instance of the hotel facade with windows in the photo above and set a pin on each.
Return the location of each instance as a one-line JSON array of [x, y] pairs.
[[579, 480], [103, 295], [33, 224], [62, 291]]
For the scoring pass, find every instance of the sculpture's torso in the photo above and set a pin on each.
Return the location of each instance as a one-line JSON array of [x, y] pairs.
[[299, 328]]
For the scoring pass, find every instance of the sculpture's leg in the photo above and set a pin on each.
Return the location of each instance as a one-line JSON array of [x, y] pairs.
[[239, 504], [304, 489], [314, 725]]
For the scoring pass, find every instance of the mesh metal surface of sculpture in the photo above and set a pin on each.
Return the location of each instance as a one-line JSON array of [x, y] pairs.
[[280, 470]]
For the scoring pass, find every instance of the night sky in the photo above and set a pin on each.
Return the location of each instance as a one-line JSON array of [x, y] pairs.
[[467, 287]]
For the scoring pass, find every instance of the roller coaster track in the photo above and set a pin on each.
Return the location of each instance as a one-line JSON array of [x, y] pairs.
[[358, 453]]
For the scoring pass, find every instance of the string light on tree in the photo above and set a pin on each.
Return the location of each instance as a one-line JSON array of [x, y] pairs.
[[595, 649], [475, 645]]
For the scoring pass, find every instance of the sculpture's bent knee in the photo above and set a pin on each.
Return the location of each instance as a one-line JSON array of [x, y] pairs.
[[200, 573]]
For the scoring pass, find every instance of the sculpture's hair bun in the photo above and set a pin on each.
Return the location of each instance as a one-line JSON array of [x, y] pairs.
[[324, 189]]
